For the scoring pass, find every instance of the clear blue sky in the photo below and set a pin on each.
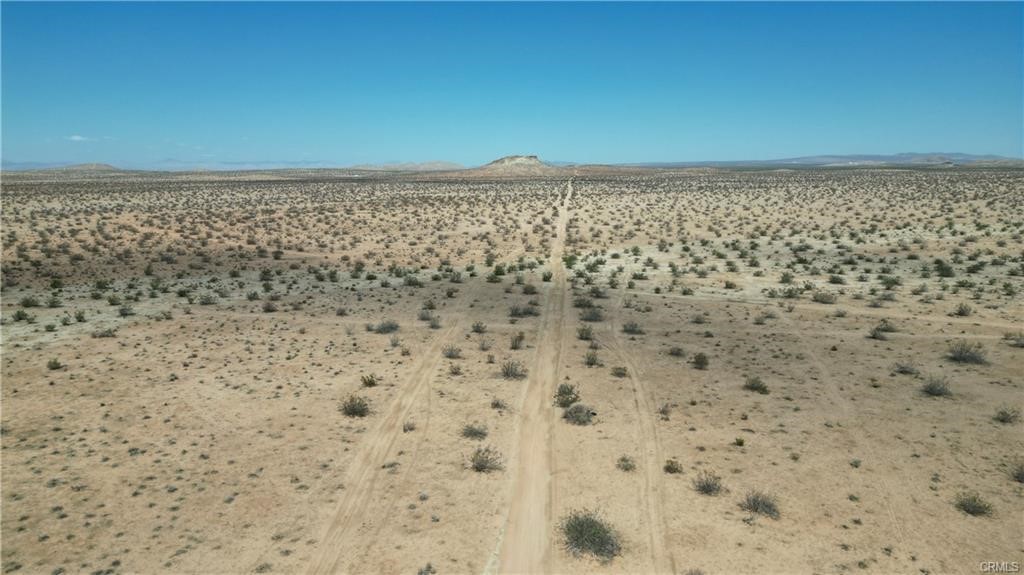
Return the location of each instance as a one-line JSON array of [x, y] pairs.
[[174, 85]]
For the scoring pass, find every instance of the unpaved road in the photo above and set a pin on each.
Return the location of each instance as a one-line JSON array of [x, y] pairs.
[[526, 543]]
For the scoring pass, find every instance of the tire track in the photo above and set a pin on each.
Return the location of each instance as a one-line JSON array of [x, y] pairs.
[[651, 493], [362, 476]]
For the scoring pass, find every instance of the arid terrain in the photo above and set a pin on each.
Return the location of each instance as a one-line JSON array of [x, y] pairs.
[[517, 368]]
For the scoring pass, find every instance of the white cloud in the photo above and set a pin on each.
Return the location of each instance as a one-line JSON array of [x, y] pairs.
[[77, 138]]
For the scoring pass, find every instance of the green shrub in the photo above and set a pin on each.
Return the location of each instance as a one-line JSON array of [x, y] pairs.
[[355, 406], [566, 395], [972, 504], [578, 414], [474, 431], [1008, 415], [755, 384], [485, 460], [585, 532], [513, 370]]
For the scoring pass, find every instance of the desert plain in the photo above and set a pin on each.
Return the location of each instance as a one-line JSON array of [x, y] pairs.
[[518, 368]]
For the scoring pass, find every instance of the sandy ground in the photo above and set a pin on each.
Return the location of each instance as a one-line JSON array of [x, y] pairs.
[[176, 353]]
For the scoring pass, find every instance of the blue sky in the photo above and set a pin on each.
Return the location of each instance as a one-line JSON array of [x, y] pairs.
[[166, 85]]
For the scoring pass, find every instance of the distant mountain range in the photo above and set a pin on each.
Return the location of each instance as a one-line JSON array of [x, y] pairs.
[[410, 166], [532, 165], [905, 159]]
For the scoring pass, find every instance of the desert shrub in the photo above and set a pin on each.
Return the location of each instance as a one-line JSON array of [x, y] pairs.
[[586, 333], [673, 466], [905, 368], [1008, 415], [522, 311], [626, 463], [708, 483], [972, 504], [1017, 471], [474, 431], [386, 326], [517, 340], [269, 307], [479, 327], [963, 310], [592, 314], [700, 361], [355, 406], [1015, 339], [498, 404], [760, 503], [936, 386], [590, 359], [54, 364], [578, 414], [369, 380], [485, 460], [632, 328], [566, 395], [585, 532], [676, 351], [451, 352], [755, 384], [29, 301], [620, 372], [108, 332], [823, 297], [513, 370], [963, 351]]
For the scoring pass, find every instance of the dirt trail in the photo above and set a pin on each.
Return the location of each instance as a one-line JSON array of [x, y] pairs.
[[650, 456], [361, 478], [526, 540]]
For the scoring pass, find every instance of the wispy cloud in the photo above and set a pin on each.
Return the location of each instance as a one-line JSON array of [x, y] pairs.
[[78, 138]]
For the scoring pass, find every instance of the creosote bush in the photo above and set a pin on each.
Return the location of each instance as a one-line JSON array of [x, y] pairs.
[[1008, 415], [626, 463], [355, 406], [474, 431], [585, 532], [485, 460], [513, 370], [754, 383], [578, 414], [566, 395]]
